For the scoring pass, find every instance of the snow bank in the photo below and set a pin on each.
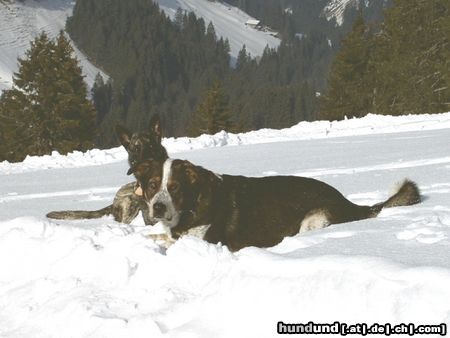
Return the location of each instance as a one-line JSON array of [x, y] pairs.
[[109, 280], [368, 125]]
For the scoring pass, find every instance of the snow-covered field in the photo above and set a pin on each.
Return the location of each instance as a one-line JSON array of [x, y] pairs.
[[99, 278]]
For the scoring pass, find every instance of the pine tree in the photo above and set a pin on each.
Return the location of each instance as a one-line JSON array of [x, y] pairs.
[[348, 92], [47, 108], [411, 59], [101, 96], [212, 113], [243, 59]]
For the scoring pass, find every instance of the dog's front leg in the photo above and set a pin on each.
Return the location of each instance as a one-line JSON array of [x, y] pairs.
[[165, 240]]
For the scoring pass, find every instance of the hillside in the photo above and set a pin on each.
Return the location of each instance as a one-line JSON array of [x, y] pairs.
[[229, 22], [21, 22]]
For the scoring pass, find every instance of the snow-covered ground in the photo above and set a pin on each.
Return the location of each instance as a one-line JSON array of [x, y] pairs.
[[229, 22], [98, 278]]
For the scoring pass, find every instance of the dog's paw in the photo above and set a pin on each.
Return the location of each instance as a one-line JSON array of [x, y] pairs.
[[163, 240]]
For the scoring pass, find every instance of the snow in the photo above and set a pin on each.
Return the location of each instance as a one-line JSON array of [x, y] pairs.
[[368, 125], [21, 22], [335, 9], [229, 22], [99, 278]]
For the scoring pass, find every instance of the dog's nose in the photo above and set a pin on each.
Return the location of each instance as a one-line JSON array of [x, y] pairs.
[[159, 209]]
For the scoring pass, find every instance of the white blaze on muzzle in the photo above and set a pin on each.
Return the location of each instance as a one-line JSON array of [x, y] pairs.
[[171, 216]]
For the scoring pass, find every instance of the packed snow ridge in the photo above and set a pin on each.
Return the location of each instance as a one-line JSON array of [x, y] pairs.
[[370, 124]]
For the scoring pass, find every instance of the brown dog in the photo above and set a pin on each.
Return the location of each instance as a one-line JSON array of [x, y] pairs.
[[245, 211]]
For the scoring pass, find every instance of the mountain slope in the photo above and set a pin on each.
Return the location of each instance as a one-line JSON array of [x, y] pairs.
[[229, 22], [21, 22]]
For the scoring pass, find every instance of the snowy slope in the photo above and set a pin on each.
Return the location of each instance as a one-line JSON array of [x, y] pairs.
[[98, 278], [21, 22], [336, 8], [228, 21]]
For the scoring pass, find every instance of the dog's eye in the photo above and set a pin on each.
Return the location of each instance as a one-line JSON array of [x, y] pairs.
[[174, 187], [152, 185]]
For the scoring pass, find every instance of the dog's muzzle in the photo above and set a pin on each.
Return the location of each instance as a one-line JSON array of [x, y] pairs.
[[161, 209]]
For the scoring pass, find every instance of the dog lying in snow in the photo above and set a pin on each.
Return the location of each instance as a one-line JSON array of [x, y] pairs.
[[243, 211], [128, 201]]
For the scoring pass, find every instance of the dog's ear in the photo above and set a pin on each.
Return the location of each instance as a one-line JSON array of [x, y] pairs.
[[124, 135], [131, 170], [155, 127]]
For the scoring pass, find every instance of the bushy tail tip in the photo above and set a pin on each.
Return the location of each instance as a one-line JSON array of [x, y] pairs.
[[407, 193]]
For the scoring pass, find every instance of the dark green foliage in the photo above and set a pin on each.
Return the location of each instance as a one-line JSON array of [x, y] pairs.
[[349, 77], [102, 97], [47, 108], [165, 67], [411, 66], [401, 69], [212, 114], [157, 66], [289, 17]]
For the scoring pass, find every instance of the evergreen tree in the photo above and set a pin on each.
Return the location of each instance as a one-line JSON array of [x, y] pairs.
[[47, 108], [102, 97], [411, 59], [212, 114], [348, 92], [402, 69], [243, 59]]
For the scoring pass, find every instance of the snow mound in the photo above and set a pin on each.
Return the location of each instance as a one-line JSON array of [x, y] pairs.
[[368, 125], [109, 280]]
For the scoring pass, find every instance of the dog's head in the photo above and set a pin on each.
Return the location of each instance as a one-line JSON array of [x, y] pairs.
[[144, 145], [174, 187]]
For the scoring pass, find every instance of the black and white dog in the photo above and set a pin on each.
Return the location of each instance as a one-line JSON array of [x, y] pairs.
[[243, 211], [128, 201]]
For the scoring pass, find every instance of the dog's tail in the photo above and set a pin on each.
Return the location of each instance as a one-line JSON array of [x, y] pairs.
[[407, 193], [80, 214]]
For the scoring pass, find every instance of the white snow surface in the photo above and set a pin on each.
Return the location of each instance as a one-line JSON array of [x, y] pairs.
[[99, 278], [229, 23], [21, 22]]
